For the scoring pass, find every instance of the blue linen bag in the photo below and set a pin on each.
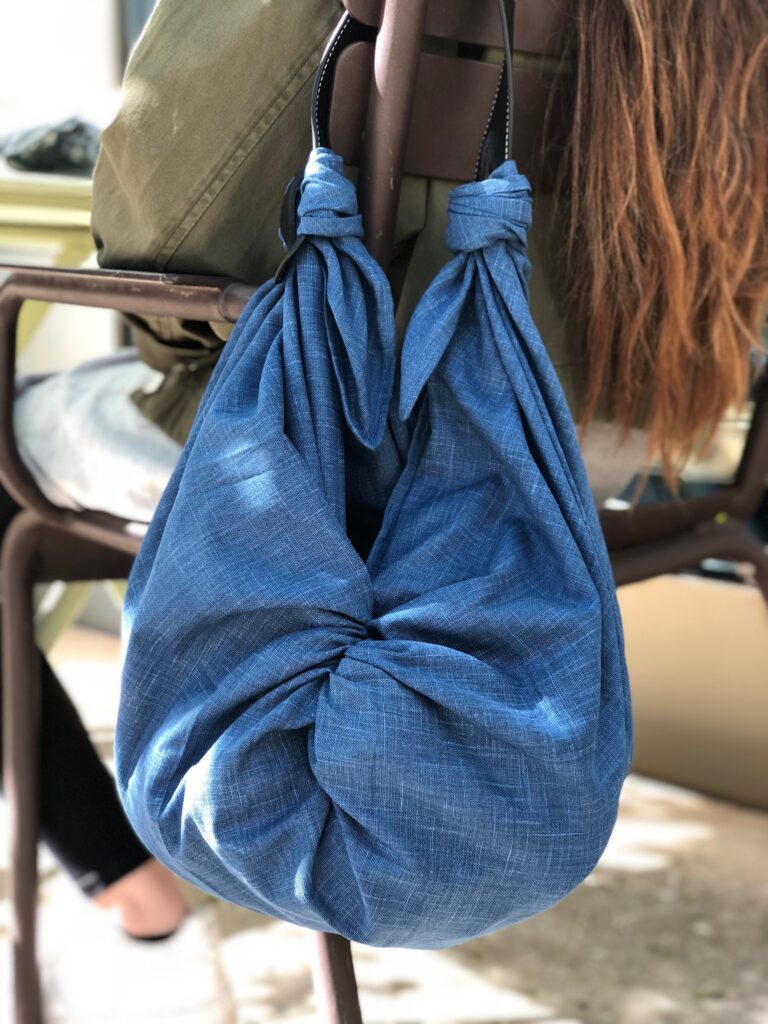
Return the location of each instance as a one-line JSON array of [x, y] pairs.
[[418, 747], [410, 734]]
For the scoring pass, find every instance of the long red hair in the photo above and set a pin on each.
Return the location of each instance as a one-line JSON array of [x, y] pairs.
[[665, 184]]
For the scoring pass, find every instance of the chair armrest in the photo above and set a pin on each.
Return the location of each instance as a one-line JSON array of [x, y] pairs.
[[188, 297], [667, 520], [175, 295]]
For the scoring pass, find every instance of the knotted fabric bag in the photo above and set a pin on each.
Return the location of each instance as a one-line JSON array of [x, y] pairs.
[[408, 745]]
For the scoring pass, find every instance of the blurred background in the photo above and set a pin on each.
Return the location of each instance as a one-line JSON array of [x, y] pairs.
[[673, 924]]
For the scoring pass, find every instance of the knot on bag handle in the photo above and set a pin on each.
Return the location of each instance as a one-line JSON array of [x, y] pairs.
[[482, 213], [328, 202]]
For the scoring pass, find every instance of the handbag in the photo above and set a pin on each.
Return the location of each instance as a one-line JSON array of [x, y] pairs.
[[374, 675]]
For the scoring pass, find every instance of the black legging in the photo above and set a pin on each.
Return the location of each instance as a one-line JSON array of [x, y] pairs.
[[81, 818]]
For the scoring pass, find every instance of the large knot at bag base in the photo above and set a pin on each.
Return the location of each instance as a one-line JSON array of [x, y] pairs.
[[416, 744]]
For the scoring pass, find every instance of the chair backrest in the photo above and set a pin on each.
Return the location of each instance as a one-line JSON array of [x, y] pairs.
[[398, 107], [538, 23]]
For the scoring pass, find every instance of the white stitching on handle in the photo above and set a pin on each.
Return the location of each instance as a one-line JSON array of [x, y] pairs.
[[488, 122], [326, 65]]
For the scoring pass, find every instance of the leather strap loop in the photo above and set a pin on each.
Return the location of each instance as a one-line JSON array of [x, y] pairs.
[[507, 13], [497, 144]]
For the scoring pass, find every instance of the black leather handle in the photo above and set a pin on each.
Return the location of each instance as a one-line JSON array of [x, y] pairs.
[[499, 134], [497, 144], [347, 31], [507, 13]]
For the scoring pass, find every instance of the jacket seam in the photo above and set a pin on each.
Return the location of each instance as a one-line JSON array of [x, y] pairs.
[[244, 145]]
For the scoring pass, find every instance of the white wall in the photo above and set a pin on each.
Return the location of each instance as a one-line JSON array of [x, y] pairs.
[[57, 58]]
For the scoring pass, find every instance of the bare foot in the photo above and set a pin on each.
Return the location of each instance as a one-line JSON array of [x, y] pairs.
[[147, 901]]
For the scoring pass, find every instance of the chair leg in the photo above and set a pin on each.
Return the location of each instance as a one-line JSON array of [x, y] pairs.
[[333, 973], [21, 724]]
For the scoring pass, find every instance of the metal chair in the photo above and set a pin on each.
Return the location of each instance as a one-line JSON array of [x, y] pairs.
[[410, 93]]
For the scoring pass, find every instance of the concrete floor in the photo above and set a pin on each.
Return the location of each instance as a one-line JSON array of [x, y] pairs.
[[671, 928]]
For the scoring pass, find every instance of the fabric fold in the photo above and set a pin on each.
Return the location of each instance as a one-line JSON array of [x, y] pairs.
[[411, 746]]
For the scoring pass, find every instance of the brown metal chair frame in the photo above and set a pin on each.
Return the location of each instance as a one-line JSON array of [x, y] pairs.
[[45, 542]]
